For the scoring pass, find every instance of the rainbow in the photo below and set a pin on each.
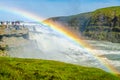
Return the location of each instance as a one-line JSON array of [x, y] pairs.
[[66, 32]]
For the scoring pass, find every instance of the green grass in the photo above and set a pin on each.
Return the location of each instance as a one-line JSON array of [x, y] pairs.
[[34, 69], [109, 11]]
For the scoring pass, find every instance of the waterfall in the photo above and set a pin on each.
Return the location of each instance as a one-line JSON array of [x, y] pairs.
[[45, 43]]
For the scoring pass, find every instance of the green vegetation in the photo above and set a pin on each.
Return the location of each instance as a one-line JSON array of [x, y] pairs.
[[33, 69], [105, 24], [106, 36], [101, 24]]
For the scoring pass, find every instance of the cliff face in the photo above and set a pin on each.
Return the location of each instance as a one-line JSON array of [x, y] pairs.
[[13, 30], [9, 34], [104, 24], [101, 24], [77, 22]]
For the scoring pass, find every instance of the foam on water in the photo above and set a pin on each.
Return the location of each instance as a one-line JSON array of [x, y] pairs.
[[44, 43]]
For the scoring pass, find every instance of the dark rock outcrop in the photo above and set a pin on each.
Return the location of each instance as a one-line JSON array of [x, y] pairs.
[[98, 25]]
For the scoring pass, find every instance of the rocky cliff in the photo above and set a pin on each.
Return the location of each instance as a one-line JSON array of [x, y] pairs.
[[101, 24], [9, 34]]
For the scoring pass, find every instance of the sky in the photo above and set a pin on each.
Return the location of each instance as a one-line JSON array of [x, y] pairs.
[[53, 8]]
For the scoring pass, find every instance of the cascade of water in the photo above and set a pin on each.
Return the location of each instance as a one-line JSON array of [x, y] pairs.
[[45, 43]]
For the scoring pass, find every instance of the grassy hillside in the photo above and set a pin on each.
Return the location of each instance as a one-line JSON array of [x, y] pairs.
[[101, 24], [33, 69], [104, 24]]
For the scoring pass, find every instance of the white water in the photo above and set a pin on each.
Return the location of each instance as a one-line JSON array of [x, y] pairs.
[[45, 43]]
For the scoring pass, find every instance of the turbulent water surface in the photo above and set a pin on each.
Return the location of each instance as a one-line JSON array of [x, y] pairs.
[[45, 43]]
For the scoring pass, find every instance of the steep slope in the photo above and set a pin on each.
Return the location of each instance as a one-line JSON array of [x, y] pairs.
[[77, 22], [109, 16], [33, 69], [104, 24], [101, 24]]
